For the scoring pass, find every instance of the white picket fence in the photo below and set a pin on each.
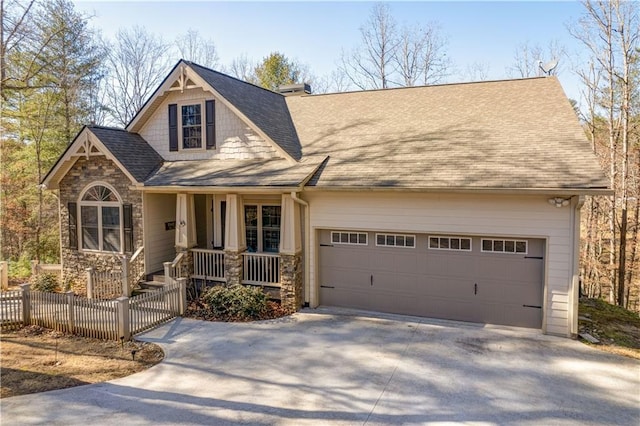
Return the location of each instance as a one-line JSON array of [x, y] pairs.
[[113, 319]]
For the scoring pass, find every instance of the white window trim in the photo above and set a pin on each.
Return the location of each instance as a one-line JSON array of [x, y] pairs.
[[203, 125], [99, 204], [395, 236], [450, 237], [259, 226], [504, 240], [366, 243]]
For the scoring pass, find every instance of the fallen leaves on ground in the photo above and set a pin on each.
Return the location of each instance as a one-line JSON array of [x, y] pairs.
[[35, 359]]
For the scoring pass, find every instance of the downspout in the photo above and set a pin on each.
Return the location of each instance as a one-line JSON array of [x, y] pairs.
[[577, 203], [307, 243]]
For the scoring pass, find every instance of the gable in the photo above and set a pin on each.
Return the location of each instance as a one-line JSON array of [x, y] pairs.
[[128, 151], [234, 138], [261, 111]]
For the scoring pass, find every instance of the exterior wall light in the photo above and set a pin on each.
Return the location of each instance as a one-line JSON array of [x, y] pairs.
[[559, 201]]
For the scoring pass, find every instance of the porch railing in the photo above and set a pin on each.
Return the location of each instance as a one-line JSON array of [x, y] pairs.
[[208, 264], [261, 269], [173, 270]]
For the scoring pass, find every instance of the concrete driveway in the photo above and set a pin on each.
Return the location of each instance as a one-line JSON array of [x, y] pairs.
[[343, 367]]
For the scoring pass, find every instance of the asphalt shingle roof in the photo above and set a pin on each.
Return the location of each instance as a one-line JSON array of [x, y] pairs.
[[266, 109], [227, 173], [133, 152], [511, 134]]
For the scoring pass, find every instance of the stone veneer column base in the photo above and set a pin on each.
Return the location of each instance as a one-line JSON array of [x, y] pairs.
[[291, 281], [233, 267]]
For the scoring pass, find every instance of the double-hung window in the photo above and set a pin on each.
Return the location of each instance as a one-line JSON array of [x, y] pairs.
[[262, 226], [100, 220], [191, 126]]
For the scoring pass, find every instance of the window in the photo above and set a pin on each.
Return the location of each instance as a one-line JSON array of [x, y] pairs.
[[100, 220], [262, 230], [450, 243], [504, 246], [191, 126], [395, 240], [357, 238]]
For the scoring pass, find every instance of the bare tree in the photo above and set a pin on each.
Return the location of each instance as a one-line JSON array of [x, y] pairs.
[[192, 47], [476, 71], [136, 65], [22, 39], [370, 65], [421, 57], [611, 32], [388, 56], [243, 68], [527, 59]]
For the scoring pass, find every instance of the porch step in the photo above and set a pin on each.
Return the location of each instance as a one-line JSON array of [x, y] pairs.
[[151, 285]]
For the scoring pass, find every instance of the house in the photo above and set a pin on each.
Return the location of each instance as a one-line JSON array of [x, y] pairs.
[[457, 201]]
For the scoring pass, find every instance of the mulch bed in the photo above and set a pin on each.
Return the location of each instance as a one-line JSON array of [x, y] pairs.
[[198, 310]]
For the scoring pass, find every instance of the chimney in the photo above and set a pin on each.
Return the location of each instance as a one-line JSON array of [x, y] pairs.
[[294, 89]]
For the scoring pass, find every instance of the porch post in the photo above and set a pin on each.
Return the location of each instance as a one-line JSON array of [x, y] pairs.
[[235, 240], [185, 221], [290, 255]]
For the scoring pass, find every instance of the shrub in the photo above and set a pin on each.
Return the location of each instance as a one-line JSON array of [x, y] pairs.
[[236, 302], [20, 268], [45, 282]]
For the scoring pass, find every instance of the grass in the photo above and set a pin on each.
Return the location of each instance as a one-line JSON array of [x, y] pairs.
[[617, 329], [35, 359]]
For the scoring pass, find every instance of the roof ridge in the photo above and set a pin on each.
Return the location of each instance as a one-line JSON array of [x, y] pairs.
[[231, 77], [98, 126], [459, 83]]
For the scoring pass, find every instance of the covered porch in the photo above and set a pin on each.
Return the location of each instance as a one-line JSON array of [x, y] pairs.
[[231, 238]]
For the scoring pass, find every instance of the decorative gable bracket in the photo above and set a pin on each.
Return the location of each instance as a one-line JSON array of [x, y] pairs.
[[183, 81]]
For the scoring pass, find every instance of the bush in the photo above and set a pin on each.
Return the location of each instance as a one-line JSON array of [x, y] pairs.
[[21, 268], [236, 303], [45, 282]]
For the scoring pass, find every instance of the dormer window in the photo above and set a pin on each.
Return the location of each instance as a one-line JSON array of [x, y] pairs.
[[191, 126]]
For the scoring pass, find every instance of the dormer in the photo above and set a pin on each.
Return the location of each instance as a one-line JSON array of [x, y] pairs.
[[198, 114]]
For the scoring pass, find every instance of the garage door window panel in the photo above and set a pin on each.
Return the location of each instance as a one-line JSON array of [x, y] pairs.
[[450, 243], [395, 240], [491, 245], [346, 237]]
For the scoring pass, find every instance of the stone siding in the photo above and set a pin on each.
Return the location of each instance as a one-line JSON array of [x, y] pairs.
[[83, 173], [291, 281], [233, 267]]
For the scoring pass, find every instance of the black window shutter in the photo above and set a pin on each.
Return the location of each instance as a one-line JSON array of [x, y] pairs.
[[173, 127], [210, 107], [73, 225], [127, 212]]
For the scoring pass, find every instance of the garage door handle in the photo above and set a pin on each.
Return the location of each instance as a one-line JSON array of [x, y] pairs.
[[326, 245], [327, 286], [371, 279], [475, 288], [532, 306]]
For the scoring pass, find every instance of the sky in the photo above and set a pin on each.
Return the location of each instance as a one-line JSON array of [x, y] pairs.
[[315, 33]]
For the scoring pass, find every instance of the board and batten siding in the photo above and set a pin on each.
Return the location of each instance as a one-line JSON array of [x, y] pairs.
[[159, 243], [234, 138], [457, 214]]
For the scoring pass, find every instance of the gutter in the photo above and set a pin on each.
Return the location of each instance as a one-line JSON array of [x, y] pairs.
[[458, 190], [307, 245], [574, 295]]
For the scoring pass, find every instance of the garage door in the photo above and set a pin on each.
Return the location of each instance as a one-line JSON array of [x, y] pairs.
[[479, 279]]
